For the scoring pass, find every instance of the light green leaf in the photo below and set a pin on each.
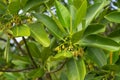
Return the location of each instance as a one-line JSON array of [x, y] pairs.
[[98, 55], [63, 14], [81, 13], [94, 10], [101, 42], [39, 34], [61, 55], [22, 30], [7, 51], [36, 73], [34, 49], [50, 24], [94, 29], [76, 69], [113, 17]]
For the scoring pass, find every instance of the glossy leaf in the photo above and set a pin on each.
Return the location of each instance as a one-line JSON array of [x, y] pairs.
[[63, 14], [39, 34], [101, 42], [113, 17], [80, 13], [94, 10], [50, 24], [76, 69], [22, 30], [94, 29], [34, 49], [98, 56]]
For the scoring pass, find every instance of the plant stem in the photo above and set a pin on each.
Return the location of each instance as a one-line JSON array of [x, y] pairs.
[[19, 47], [29, 54], [19, 70]]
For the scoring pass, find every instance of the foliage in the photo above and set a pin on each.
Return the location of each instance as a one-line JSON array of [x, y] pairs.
[[58, 40]]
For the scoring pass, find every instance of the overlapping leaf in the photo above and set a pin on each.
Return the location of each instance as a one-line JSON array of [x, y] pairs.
[[101, 42], [39, 34], [50, 24]]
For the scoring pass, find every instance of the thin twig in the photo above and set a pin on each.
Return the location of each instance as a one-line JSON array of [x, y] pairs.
[[23, 52], [29, 54], [4, 40], [19, 70]]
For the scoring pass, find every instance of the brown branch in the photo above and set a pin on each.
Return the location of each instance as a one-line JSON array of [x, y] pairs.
[[19, 70], [29, 54], [19, 47]]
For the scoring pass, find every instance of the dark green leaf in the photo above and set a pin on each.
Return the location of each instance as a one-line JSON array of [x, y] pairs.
[[97, 55], [50, 24], [39, 34], [32, 3], [94, 29], [113, 17], [76, 69], [101, 42], [34, 49], [115, 35]]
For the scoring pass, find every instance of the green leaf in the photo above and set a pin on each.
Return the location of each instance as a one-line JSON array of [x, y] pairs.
[[7, 50], [101, 42], [115, 35], [50, 24], [76, 69], [98, 55], [22, 30], [61, 55], [36, 73], [113, 17], [115, 68], [77, 36], [39, 34], [81, 13], [94, 10], [63, 14], [94, 29], [34, 49], [14, 7], [32, 3], [3, 7]]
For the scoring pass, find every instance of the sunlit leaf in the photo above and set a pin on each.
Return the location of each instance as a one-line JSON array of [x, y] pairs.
[[50, 24], [80, 13], [63, 14], [22, 30], [101, 42], [39, 34]]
